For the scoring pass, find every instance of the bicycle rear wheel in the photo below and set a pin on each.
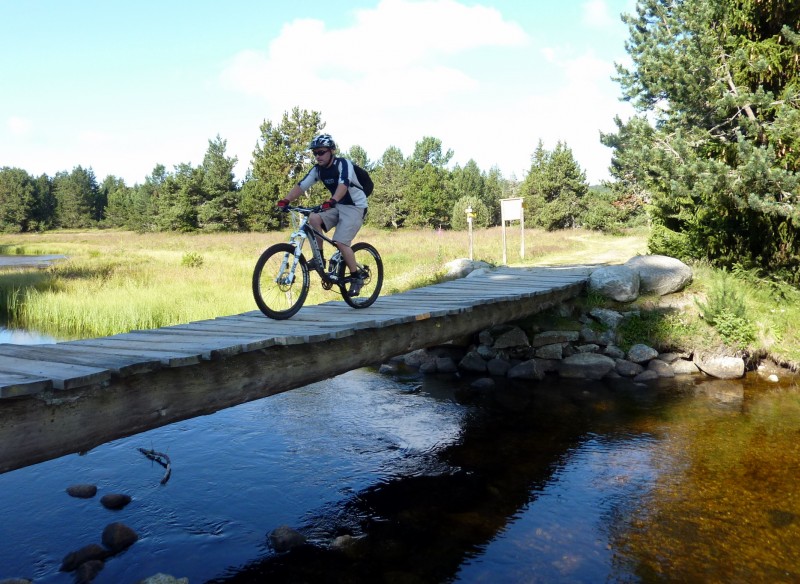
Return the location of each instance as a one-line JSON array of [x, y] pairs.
[[370, 266], [280, 286]]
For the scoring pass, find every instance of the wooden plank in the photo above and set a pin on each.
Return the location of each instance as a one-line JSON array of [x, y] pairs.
[[131, 345], [17, 385], [166, 358], [118, 364], [205, 350], [64, 375]]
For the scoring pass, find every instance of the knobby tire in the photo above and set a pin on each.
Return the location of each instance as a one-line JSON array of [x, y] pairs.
[[274, 296], [368, 258]]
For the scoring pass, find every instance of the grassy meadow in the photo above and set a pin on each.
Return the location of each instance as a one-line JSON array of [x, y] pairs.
[[117, 281]]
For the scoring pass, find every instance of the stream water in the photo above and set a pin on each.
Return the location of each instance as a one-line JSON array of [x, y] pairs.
[[693, 480]]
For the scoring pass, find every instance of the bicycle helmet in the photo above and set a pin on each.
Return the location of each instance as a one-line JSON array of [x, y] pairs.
[[322, 141]]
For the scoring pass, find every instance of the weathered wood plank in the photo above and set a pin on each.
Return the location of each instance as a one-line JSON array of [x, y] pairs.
[[63, 375], [117, 364], [17, 385], [168, 358]]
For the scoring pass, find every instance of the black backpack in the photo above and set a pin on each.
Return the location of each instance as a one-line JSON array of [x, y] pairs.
[[364, 180]]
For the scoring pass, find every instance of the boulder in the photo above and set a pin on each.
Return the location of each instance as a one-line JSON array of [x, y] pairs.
[[284, 538], [498, 367], [115, 501], [720, 367], [662, 368], [684, 367], [555, 351], [619, 283], [554, 337], [73, 560], [118, 537], [641, 353], [627, 368], [472, 361], [483, 384], [461, 267], [446, 365], [526, 370], [164, 579], [610, 318], [586, 366], [515, 337], [82, 491], [660, 274]]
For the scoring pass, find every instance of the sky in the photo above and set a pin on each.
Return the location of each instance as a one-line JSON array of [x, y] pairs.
[[120, 86]]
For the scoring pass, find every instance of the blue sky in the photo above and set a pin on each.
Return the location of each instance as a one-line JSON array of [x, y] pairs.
[[122, 86]]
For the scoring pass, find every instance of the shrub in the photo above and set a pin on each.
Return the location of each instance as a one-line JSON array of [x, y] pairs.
[[192, 259], [726, 311]]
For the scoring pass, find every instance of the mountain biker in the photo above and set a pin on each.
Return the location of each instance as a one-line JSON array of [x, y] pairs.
[[345, 209]]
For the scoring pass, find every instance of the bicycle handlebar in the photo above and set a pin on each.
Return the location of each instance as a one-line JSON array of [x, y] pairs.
[[302, 210]]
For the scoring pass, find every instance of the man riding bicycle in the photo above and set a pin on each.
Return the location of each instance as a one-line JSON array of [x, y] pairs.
[[345, 209]]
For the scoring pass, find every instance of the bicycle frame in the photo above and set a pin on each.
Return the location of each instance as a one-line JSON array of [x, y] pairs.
[[304, 232]]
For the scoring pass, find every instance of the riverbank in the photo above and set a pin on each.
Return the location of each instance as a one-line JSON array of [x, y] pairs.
[[117, 281]]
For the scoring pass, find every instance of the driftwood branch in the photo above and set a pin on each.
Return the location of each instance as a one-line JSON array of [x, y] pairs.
[[161, 459]]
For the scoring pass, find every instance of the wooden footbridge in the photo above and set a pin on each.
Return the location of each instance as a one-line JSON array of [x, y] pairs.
[[71, 396]]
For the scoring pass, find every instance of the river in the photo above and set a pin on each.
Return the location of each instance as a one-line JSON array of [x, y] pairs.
[[691, 480]]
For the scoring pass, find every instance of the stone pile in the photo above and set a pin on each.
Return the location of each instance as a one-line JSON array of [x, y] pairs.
[[507, 351], [589, 350]]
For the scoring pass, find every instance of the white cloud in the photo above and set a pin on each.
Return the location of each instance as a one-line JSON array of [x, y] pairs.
[[404, 70], [596, 14], [393, 55], [19, 126]]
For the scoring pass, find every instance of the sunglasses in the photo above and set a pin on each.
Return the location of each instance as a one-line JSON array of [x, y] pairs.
[[319, 153]]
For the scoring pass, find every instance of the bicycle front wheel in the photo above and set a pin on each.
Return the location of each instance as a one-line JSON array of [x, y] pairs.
[[370, 267], [280, 281]]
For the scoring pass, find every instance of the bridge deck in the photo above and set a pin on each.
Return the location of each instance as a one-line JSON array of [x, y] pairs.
[[153, 377]]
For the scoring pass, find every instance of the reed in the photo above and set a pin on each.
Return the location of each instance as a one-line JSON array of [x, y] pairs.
[[118, 281]]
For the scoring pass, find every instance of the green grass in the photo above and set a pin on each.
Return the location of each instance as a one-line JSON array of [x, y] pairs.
[[117, 281]]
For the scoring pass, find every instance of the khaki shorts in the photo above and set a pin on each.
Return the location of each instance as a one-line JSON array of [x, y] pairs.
[[347, 219]]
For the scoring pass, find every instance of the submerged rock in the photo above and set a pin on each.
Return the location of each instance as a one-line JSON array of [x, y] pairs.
[[82, 491], [284, 538]]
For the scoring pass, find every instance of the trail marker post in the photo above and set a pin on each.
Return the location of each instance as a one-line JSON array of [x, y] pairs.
[[470, 215], [511, 210]]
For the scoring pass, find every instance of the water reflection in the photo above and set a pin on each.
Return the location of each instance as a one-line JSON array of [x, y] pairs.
[[23, 337], [557, 482]]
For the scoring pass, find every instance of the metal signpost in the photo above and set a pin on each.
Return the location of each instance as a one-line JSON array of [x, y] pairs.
[[511, 210]]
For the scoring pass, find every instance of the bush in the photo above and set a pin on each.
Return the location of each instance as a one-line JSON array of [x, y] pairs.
[[726, 311], [192, 259]]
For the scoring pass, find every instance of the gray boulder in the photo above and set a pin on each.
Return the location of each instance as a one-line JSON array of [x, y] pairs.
[[526, 370], [641, 353], [472, 361], [586, 366], [720, 367], [553, 337], [660, 274], [284, 538], [461, 267], [515, 337], [610, 318], [662, 368], [619, 283], [555, 351], [684, 367], [627, 368]]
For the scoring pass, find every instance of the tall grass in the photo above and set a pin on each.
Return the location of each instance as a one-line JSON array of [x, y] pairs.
[[116, 281]]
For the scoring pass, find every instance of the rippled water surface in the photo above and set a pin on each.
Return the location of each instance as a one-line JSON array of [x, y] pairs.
[[548, 483]]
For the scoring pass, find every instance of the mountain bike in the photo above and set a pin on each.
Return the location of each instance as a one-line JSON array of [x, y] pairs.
[[282, 277]]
